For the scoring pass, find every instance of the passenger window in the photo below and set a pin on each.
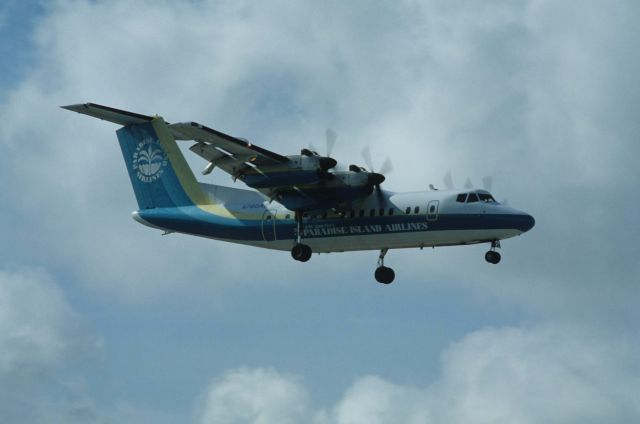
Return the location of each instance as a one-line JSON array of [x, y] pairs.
[[461, 197], [268, 217], [361, 213], [472, 198], [372, 212], [432, 209], [408, 211], [416, 209], [288, 216], [390, 211], [381, 212]]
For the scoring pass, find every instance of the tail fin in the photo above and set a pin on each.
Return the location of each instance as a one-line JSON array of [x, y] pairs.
[[159, 173]]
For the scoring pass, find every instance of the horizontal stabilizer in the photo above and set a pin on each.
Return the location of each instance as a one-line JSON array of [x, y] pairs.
[[110, 114]]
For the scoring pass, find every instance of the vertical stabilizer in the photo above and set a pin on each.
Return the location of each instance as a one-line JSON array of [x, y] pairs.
[[159, 173]]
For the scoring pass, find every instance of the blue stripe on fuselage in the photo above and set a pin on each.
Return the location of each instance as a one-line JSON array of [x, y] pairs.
[[193, 220]]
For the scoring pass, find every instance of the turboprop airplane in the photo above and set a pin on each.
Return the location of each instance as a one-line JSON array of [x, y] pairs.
[[299, 203]]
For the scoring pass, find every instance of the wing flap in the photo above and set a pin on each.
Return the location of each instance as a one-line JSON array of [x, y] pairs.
[[220, 144]]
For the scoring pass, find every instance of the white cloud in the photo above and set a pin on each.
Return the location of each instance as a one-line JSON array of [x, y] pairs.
[[36, 323], [508, 375], [259, 395], [40, 338], [503, 88]]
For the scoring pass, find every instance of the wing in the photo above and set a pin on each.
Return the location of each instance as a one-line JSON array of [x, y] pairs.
[[231, 154], [300, 182]]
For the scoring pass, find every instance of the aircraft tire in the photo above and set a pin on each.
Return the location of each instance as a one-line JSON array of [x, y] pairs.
[[301, 252], [492, 257], [385, 275]]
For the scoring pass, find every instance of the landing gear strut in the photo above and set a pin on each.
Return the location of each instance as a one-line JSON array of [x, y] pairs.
[[492, 256], [300, 252], [384, 274]]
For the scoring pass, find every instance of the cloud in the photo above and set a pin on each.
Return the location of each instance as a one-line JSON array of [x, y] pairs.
[[255, 395], [524, 374], [502, 88], [40, 336], [36, 323]]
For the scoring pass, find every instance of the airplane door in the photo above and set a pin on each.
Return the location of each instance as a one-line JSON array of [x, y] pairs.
[[432, 210], [269, 225]]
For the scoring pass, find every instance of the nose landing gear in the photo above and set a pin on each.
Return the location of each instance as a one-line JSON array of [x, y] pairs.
[[492, 256], [384, 274], [300, 252]]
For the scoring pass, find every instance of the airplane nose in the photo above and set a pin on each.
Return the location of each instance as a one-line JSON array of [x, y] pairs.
[[527, 222]]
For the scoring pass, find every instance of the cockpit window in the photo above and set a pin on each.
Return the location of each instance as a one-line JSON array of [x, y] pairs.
[[486, 197], [473, 197], [461, 197]]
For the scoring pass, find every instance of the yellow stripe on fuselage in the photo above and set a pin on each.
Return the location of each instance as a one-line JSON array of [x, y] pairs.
[[187, 179]]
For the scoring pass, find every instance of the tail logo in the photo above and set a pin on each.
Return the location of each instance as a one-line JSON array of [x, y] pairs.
[[149, 160]]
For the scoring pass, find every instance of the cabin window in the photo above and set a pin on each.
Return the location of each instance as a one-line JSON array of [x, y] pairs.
[[408, 211], [372, 212], [288, 216], [381, 212], [390, 211], [416, 209], [361, 213], [472, 198], [461, 197], [432, 209]]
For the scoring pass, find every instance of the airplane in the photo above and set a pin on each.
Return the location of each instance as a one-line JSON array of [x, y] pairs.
[[297, 203]]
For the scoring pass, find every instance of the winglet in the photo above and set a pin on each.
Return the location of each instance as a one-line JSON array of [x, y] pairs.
[[110, 114]]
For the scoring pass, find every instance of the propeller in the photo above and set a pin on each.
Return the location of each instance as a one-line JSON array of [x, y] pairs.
[[386, 167], [330, 140], [376, 178], [324, 162], [448, 181], [487, 182], [468, 184]]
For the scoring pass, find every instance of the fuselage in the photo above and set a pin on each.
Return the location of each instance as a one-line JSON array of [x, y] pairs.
[[415, 219]]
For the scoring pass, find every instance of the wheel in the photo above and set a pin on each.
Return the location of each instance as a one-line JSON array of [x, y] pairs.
[[492, 257], [385, 275], [301, 252]]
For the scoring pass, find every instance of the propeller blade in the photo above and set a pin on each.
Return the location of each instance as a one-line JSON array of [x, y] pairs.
[[448, 181], [331, 140], [387, 166], [467, 184], [380, 196], [487, 182], [366, 155]]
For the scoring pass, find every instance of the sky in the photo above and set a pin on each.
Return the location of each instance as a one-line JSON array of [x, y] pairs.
[[103, 320]]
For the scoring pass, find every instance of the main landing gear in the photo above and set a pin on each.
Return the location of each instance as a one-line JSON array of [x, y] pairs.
[[384, 274], [492, 256], [300, 252]]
